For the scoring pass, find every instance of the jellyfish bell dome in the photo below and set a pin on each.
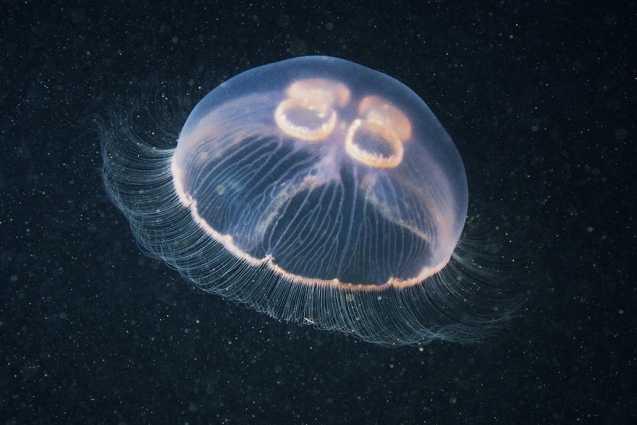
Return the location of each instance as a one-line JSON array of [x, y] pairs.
[[317, 191], [325, 172]]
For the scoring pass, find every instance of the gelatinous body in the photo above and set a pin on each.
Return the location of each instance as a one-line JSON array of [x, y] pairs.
[[315, 190]]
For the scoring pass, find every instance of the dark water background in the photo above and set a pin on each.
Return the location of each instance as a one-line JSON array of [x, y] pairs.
[[538, 96]]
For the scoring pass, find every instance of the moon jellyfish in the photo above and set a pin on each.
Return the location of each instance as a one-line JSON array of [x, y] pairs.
[[316, 191]]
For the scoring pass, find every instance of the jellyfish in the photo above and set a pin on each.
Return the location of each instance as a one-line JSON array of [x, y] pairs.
[[317, 191]]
